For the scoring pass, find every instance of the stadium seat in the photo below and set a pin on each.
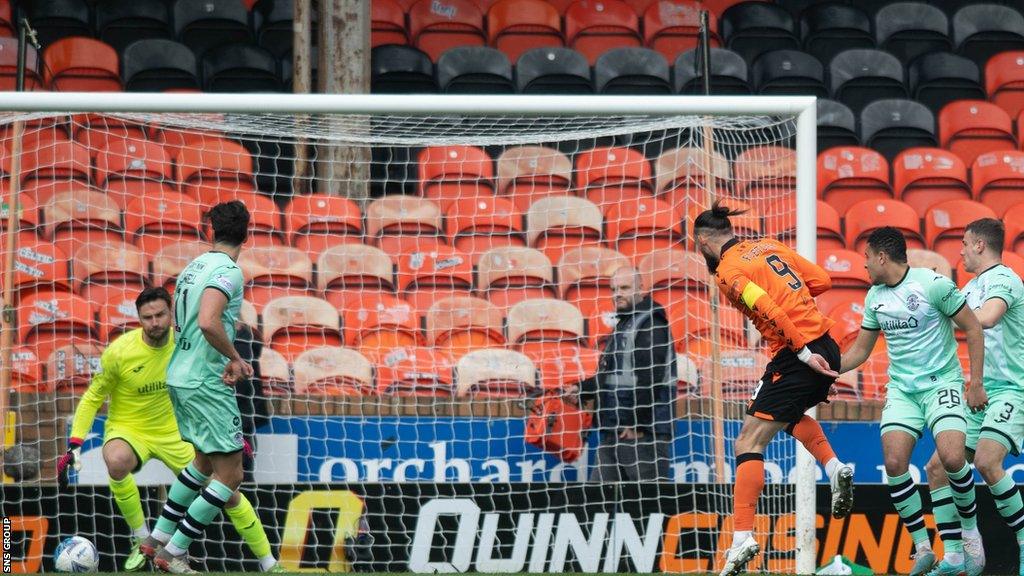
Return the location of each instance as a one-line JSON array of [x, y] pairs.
[[860, 76], [560, 223], [632, 71], [424, 277], [401, 70], [553, 70], [891, 126], [347, 270], [911, 29], [849, 278], [214, 170], [672, 28], [50, 319], [944, 225], [584, 276], [387, 24], [247, 315], [763, 174], [515, 26], [639, 227], [837, 126], [72, 366], [316, 222], [476, 224], [997, 179], [601, 319], [507, 276], [79, 64], [121, 23], [674, 275], [940, 78], [109, 271], [275, 373], [729, 74], [39, 265], [333, 371], [690, 322], [608, 176], [172, 258], [203, 25], [867, 215], [9, 66], [982, 30], [57, 19], [50, 164], [593, 27], [1004, 81], [74, 219], [128, 169], [26, 371], [934, 261], [1013, 220], [436, 27], [273, 24], [528, 173], [240, 68], [157, 65], [740, 370], [874, 373], [782, 72], [923, 177], [681, 175], [293, 324], [474, 70], [540, 327], [849, 174], [494, 373], [403, 224], [849, 316], [830, 234], [1012, 260], [415, 371], [970, 128], [6, 20], [463, 324], [830, 28], [447, 173], [561, 371], [376, 323], [752, 28], [275, 271], [98, 131]]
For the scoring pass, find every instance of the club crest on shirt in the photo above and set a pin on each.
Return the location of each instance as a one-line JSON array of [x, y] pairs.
[[913, 302]]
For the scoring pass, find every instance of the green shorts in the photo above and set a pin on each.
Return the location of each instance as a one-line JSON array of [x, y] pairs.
[[208, 417], [1002, 421], [939, 409], [172, 451]]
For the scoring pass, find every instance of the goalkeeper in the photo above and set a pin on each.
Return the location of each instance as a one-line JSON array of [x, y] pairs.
[[140, 424]]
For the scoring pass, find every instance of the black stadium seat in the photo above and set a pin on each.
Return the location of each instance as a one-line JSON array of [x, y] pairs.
[[828, 29], [981, 30], [398, 69], [474, 70], [909, 29], [837, 126], [728, 73], [788, 72], [891, 126], [861, 76], [201, 24], [120, 23], [750, 28], [56, 19], [632, 71], [553, 70], [940, 78], [156, 65], [272, 21], [240, 68]]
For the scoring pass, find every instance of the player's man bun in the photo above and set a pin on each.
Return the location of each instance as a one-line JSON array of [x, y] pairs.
[[717, 218], [230, 222]]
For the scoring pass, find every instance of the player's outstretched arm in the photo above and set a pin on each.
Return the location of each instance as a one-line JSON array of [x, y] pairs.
[[93, 398], [211, 307], [860, 350], [965, 319], [991, 312]]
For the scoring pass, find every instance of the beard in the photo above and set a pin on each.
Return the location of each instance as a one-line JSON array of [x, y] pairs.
[[157, 334], [711, 260]]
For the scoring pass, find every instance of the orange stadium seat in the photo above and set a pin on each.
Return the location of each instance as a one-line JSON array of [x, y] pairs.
[[540, 326], [682, 175], [529, 173], [316, 222], [247, 315], [934, 261], [867, 215], [74, 219], [292, 324], [740, 369], [376, 323], [516, 26], [275, 373], [26, 371], [153, 221], [970, 128], [463, 324], [447, 173], [437, 25], [849, 316], [387, 23], [50, 163], [117, 317], [477, 224], [874, 373], [764, 174], [594, 26], [672, 28], [72, 366], [584, 276], [1013, 220], [404, 224], [79, 64], [175, 140], [567, 369], [130, 169], [608, 176], [424, 277], [215, 169], [9, 66], [353, 269], [830, 234], [601, 319], [275, 271], [49, 319], [690, 322], [494, 373], [333, 371], [107, 271], [923, 177], [172, 258], [38, 266], [415, 371], [1012, 260], [850, 174], [674, 275], [27, 212], [944, 225], [98, 131], [998, 179], [507, 276], [1004, 81], [640, 227], [850, 279], [560, 223]]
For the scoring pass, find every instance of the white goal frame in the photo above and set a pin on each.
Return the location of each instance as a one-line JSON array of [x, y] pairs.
[[803, 107]]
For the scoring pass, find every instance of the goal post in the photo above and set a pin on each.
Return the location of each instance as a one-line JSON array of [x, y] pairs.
[[493, 124]]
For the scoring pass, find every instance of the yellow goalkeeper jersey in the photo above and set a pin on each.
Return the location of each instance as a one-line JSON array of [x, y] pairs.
[[134, 376]]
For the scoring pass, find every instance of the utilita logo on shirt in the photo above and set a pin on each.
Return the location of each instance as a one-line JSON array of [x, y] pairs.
[[152, 387], [895, 325]]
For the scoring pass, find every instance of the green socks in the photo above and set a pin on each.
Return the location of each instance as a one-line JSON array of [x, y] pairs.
[[181, 495], [907, 500], [947, 521], [1009, 504], [200, 513], [962, 483]]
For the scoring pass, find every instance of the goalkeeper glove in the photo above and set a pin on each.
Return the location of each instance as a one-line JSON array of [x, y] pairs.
[[73, 457]]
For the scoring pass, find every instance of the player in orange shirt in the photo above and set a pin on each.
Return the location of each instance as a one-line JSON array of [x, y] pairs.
[[775, 287]]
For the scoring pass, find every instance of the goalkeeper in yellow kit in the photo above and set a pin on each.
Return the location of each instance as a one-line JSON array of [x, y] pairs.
[[140, 425]]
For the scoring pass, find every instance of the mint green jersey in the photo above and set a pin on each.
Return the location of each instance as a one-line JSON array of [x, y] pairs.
[[914, 315], [1004, 342], [195, 362]]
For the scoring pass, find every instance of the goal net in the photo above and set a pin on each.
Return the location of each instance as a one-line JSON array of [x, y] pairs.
[[415, 283]]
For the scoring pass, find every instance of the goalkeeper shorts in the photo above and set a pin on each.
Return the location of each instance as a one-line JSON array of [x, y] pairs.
[[171, 450], [1002, 421], [789, 387], [208, 417], [939, 409]]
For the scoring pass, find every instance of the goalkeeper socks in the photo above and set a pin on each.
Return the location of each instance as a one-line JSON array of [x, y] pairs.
[[1009, 504], [962, 483], [809, 433], [181, 495], [947, 521], [248, 525], [126, 495], [749, 482], [907, 501], [200, 513]]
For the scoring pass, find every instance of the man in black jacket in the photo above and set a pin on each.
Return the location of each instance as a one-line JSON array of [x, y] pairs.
[[252, 404], [633, 394]]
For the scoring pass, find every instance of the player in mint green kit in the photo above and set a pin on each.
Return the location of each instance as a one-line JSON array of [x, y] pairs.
[[915, 308], [200, 380], [996, 295]]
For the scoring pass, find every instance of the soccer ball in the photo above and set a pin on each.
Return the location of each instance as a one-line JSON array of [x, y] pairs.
[[76, 554]]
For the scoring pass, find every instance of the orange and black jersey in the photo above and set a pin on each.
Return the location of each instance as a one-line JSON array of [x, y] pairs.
[[775, 287]]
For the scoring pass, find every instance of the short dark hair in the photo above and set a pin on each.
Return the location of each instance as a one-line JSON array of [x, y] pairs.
[[891, 241], [152, 295], [230, 222], [716, 219], [991, 231]]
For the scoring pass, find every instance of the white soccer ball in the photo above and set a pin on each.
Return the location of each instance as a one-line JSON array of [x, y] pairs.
[[76, 554]]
